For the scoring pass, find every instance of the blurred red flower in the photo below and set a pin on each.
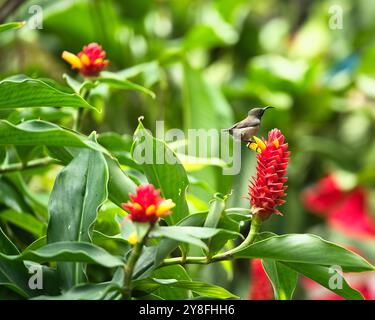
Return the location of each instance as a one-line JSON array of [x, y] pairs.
[[348, 213], [90, 61], [267, 188], [261, 288], [147, 205]]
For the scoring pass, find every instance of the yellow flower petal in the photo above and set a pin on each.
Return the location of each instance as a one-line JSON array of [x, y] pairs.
[[133, 238], [164, 207], [98, 61], [85, 59], [137, 206], [72, 59], [276, 142], [260, 143], [150, 210]]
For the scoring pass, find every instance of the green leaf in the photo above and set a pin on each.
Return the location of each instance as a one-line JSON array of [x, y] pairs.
[[95, 291], [79, 190], [119, 184], [13, 274], [28, 93], [283, 279], [305, 248], [72, 83], [149, 285], [217, 206], [205, 106], [25, 221], [150, 259], [166, 173], [187, 234], [67, 251], [124, 84], [38, 132], [179, 273], [324, 275], [10, 197], [11, 25]]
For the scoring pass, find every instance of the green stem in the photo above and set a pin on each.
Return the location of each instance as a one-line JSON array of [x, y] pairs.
[[129, 267], [79, 116], [254, 229], [29, 165]]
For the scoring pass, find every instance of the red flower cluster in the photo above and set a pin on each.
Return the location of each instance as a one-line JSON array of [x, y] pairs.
[[345, 211], [147, 205], [90, 61], [261, 288], [348, 213], [267, 188]]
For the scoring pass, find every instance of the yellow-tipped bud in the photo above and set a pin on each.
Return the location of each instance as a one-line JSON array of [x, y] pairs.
[[260, 143], [150, 210], [133, 238], [137, 206], [72, 59], [85, 59], [276, 142], [164, 207]]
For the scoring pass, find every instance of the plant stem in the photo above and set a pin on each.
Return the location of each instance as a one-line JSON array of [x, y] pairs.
[[129, 267], [254, 229], [79, 116], [29, 165]]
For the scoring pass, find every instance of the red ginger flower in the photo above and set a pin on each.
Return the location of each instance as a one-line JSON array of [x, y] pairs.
[[90, 61], [261, 288], [346, 211], [147, 205], [267, 188]]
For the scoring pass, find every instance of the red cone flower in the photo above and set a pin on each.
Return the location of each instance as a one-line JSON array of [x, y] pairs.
[[90, 61], [261, 288], [267, 188], [147, 205]]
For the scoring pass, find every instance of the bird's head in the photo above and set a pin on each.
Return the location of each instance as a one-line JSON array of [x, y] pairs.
[[258, 112]]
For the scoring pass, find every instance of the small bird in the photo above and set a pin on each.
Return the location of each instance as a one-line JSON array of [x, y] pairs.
[[248, 127]]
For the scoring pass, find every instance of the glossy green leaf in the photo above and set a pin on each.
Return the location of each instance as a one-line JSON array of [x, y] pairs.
[[305, 248], [38, 132], [205, 106], [25, 221], [163, 170], [115, 82], [150, 259], [179, 273], [327, 277], [11, 25], [10, 197], [67, 251], [201, 288], [13, 274], [119, 183], [27, 93], [187, 234], [283, 279], [79, 191], [95, 291]]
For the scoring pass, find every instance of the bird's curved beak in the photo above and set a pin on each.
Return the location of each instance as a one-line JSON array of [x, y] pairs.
[[268, 107]]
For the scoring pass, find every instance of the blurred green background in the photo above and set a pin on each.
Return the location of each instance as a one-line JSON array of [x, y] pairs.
[[209, 62]]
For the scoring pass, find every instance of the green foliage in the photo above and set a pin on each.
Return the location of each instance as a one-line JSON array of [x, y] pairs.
[[195, 65]]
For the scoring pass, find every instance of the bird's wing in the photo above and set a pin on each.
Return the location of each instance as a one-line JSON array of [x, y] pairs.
[[245, 123]]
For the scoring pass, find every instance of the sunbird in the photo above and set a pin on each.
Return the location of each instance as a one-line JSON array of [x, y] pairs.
[[247, 128]]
